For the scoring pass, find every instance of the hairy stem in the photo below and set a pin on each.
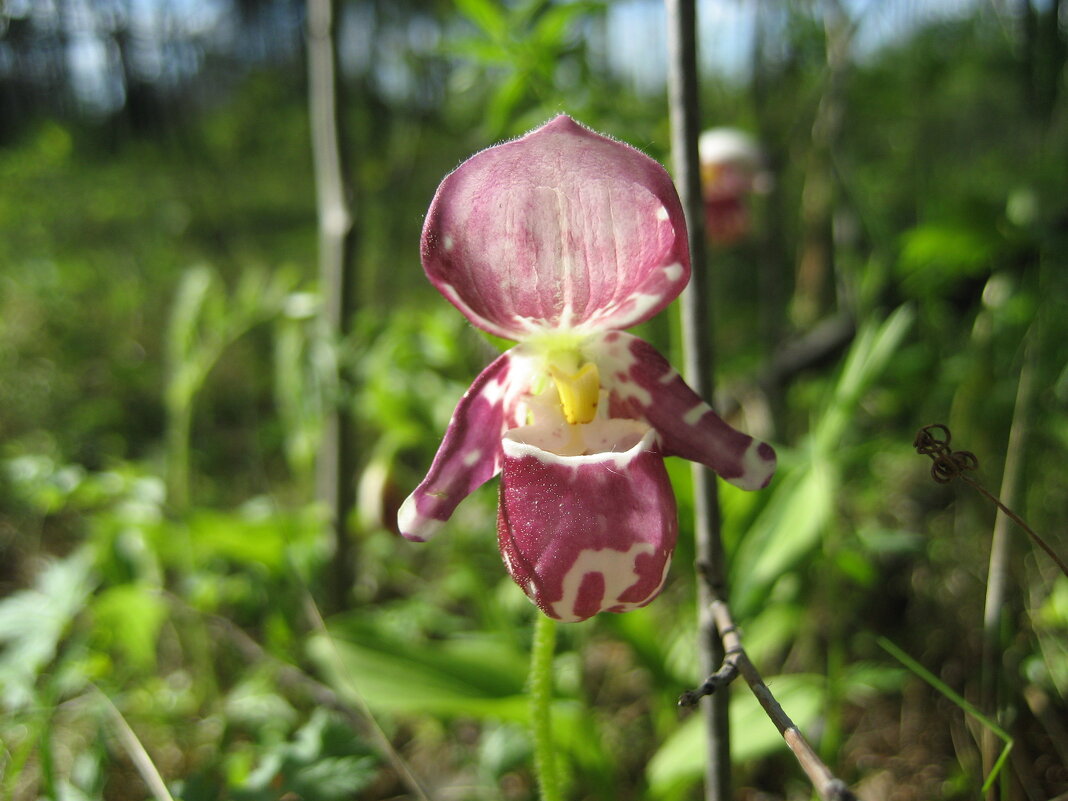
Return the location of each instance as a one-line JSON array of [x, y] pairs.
[[541, 698]]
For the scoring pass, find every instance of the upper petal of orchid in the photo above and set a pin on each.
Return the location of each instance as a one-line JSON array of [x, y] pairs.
[[470, 453], [561, 229], [642, 384]]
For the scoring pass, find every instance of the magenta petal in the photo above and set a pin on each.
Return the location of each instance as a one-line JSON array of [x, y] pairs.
[[470, 453], [643, 385], [563, 228], [586, 534]]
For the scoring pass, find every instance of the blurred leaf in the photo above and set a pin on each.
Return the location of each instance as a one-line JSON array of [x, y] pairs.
[[205, 320], [786, 529], [856, 566], [244, 537], [488, 53], [881, 541], [324, 761], [502, 749], [552, 26], [487, 15], [803, 496], [643, 630], [255, 703], [935, 255], [505, 102], [865, 679], [477, 676], [32, 623], [874, 346], [773, 628], [305, 370], [130, 617]]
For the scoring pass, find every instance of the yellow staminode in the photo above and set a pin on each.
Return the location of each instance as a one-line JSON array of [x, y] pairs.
[[579, 393]]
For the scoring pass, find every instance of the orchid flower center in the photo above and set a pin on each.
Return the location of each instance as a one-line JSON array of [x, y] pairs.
[[579, 392]]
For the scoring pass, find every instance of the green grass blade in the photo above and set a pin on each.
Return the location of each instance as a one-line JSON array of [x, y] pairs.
[[957, 699]]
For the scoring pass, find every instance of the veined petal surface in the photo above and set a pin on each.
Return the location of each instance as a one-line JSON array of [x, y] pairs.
[[560, 229], [470, 453], [587, 534], [642, 384]]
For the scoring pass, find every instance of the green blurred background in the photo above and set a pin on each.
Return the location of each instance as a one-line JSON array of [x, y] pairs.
[[167, 620]]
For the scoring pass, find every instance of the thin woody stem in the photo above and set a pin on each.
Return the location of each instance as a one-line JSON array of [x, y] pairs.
[[337, 242], [699, 353], [735, 662]]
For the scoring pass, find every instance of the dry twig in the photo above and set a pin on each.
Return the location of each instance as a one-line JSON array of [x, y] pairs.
[[949, 464], [735, 662]]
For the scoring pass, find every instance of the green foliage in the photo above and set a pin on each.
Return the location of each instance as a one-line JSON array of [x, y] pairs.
[[794, 521], [322, 762], [534, 49], [164, 371], [477, 676]]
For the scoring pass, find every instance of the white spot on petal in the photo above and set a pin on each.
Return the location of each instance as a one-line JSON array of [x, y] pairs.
[[669, 376], [662, 214], [449, 243], [617, 568], [673, 272], [693, 417], [493, 391], [471, 458]]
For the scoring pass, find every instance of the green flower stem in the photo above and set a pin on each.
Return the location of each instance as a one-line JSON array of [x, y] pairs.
[[541, 699]]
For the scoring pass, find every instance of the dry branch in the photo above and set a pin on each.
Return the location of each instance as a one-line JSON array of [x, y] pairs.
[[735, 662]]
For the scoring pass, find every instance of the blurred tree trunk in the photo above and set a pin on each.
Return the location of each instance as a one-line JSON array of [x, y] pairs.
[[774, 263], [813, 288], [335, 485], [142, 108], [1043, 56]]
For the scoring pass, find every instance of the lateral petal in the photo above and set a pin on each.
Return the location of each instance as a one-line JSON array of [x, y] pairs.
[[470, 453], [642, 384], [560, 229], [587, 534]]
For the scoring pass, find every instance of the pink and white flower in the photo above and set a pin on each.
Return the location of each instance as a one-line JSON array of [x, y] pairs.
[[559, 240]]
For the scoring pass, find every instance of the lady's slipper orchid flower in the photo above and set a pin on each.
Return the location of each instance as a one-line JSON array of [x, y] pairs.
[[559, 240]]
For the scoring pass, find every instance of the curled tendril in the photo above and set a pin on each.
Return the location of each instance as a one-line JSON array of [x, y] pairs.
[[933, 441]]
